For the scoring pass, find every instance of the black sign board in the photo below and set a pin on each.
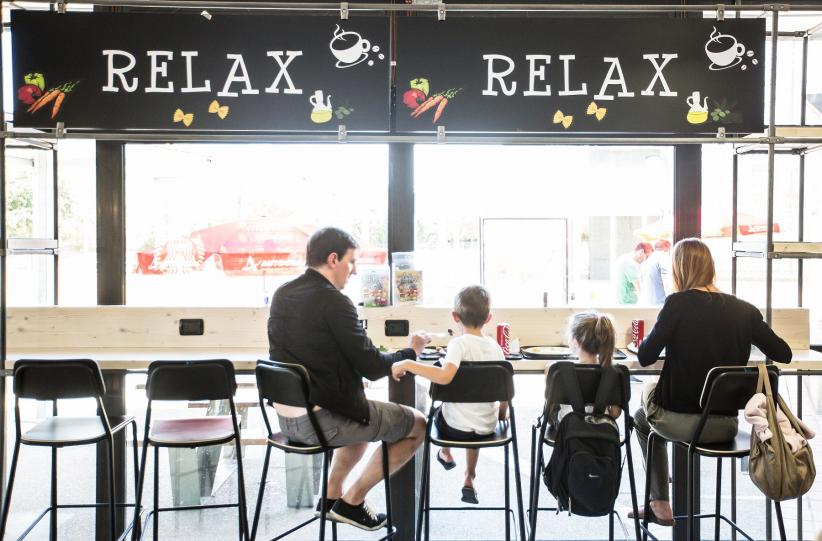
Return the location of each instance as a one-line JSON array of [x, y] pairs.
[[583, 75], [148, 71]]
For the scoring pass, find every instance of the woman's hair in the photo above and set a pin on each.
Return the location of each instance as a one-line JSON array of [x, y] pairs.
[[692, 265], [594, 332]]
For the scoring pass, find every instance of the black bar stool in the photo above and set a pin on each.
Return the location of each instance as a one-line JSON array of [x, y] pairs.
[[726, 389], [56, 380], [190, 380], [588, 377], [287, 384], [486, 381]]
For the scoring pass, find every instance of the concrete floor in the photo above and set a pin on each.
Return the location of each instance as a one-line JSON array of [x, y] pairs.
[[76, 484]]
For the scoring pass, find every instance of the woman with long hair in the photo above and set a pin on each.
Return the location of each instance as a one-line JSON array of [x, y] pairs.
[[700, 328]]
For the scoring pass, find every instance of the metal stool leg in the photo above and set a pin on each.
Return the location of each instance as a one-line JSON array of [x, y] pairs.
[[690, 496], [779, 521], [9, 488], [718, 497], [387, 477], [649, 453], [426, 451], [538, 466], [155, 524], [260, 494], [507, 497], [53, 499], [112, 502], [428, 495], [632, 481], [137, 530], [518, 482], [323, 495], [611, 526], [242, 510], [733, 497]]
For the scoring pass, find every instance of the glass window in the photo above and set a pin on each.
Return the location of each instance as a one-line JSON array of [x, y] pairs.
[[30, 214], [77, 222], [788, 81], [814, 107], [457, 187], [717, 171], [225, 225]]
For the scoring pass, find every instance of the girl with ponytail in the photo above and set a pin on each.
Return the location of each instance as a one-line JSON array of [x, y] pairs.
[[591, 336]]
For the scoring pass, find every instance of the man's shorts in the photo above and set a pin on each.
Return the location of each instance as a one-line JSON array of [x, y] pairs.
[[388, 422]]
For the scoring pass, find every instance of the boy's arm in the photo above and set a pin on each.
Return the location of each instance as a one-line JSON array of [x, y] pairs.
[[503, 410], [441, 375], [614, 411]]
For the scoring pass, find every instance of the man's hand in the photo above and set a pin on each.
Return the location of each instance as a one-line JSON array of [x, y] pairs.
[[398, 370], [418, 341]]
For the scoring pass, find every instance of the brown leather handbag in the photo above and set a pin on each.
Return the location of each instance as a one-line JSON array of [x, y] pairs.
[[778, 472]]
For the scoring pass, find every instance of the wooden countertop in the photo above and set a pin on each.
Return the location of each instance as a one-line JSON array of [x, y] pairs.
[[246, 359]]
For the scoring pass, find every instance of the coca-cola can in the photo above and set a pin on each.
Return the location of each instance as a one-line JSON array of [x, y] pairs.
[[637, 331], [504, 337]]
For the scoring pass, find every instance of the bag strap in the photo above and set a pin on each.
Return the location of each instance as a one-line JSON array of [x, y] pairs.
[[570, 383], [770, 407], [607, 382]]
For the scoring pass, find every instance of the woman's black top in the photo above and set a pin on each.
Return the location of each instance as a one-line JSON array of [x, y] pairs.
[[699, 331]]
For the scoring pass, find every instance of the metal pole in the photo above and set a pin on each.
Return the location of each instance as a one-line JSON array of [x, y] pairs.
[[3, 281], [734, 219], [433, 8], [803, 107], [801, 268], [459, 138], [769, 241], [56, 222], [799, 414]]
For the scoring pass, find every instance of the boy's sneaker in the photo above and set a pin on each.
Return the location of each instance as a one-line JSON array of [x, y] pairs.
[[329, 503], [360, 516]]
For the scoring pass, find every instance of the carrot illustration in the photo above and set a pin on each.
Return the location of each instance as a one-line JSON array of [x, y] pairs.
[[440, 109], [57, 103], [44, 100], [427, 104]]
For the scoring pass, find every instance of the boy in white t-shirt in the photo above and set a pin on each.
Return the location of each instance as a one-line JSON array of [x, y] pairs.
[[463, 421]]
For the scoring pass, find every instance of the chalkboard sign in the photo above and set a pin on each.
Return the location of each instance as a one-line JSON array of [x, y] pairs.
[[580, 76], [211, 72]]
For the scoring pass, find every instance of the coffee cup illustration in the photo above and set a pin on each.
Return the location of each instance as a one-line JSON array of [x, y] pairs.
[[349, 47], [723, 50]]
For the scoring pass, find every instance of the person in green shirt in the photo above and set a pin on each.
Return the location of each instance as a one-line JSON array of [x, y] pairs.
[[628, 273]]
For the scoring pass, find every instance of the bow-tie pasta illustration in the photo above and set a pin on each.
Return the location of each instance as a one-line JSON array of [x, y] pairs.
[[220, 110], [185, 118], [565, 120]]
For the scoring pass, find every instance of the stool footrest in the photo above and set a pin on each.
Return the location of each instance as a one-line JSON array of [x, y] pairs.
[[48, 510], [470, 508], [196, 507], [295, 528], [728, 521]]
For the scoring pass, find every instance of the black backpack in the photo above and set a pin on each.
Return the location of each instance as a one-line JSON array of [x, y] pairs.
[[586, 465]]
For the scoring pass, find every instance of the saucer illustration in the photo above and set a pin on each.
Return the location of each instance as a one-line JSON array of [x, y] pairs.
[[342, 65], [714, 67]]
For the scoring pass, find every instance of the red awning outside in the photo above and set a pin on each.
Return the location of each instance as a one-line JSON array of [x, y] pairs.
[[240, 248], [747, 224]]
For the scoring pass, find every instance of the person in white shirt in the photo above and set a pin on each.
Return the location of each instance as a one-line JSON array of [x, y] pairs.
[[656, 274], [463, 421]]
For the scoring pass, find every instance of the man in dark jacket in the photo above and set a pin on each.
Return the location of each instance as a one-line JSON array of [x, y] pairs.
[[313, 324]]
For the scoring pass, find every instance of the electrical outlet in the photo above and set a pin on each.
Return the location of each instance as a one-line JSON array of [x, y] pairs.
[[396, 327], [192, 327]]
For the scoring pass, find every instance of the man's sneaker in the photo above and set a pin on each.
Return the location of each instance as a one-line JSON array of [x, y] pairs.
[[329, 503], [360, 516]]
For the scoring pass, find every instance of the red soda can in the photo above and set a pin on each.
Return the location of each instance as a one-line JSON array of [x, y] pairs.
[[637, 331], [504, 337]]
